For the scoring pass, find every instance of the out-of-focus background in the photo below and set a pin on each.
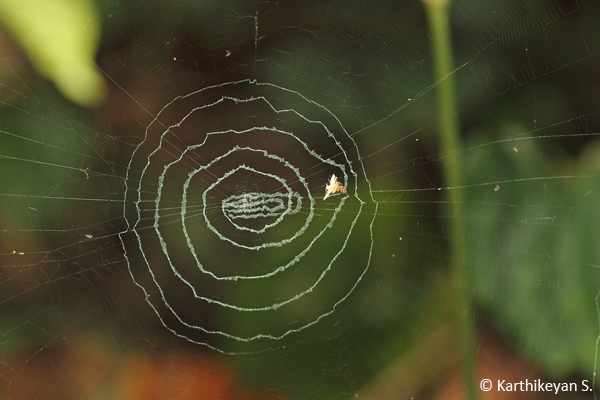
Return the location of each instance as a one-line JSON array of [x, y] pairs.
[[163, 232]]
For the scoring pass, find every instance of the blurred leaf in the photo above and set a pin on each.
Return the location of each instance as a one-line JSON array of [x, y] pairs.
[[536, 240], [61, 38]]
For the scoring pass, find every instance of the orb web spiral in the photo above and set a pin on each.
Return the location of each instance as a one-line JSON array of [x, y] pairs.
[[224, 195]]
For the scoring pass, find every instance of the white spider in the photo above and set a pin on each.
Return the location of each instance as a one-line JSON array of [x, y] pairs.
[[333, 187]]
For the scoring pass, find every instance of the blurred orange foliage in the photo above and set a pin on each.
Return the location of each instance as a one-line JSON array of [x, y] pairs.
[[87, 366]]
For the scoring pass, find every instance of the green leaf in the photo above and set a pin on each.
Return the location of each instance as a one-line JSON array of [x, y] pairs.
[[61, 38]]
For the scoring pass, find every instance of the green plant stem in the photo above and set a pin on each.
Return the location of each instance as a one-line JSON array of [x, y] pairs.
[[438, 19]]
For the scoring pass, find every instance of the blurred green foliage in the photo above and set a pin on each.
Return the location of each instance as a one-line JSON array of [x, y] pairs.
[[534, 250], [61, 38]]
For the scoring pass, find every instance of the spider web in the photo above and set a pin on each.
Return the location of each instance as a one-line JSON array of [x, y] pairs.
[[185, 215]]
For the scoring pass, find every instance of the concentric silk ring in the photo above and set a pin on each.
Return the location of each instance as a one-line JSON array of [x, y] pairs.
[[279, 219], [225, 215], [257, 205]]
